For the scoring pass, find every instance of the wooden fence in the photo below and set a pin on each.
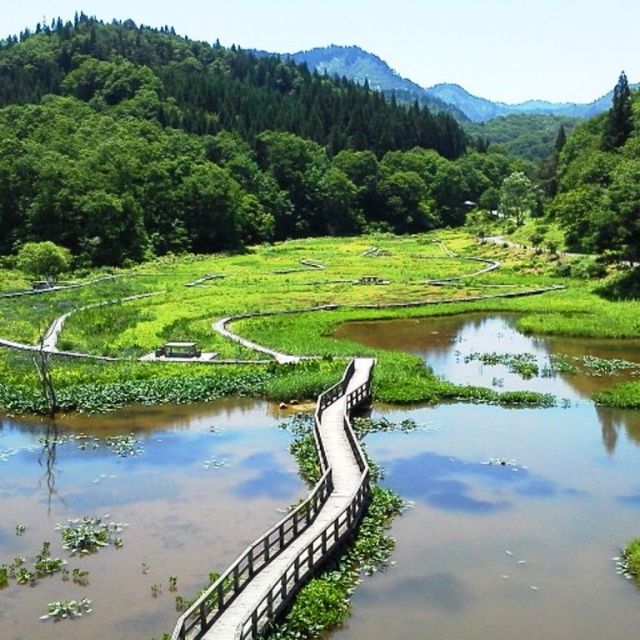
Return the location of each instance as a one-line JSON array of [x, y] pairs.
[[204, 612]]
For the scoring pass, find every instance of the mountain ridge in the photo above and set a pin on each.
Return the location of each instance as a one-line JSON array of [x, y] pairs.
[[355, 63]]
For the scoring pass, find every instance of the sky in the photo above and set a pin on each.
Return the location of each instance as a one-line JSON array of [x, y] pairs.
[[508, 50]]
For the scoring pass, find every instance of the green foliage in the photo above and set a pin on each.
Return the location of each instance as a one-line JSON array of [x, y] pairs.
[[623, 286], [120, 142], [598, 172], [625, 395], [205, 88], [42, 259], [527, 136], [631, 556], [67, 609], [88, 535], [524, 364], [518, 197], [619, 121]]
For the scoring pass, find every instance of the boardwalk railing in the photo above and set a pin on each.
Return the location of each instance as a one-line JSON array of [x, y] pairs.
[[334, 534], [200, 616], [305, 563]]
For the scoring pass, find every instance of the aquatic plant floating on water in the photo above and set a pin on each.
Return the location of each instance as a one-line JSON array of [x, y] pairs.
[[88, 535], [67, 609], [125, 446], [212, 463]]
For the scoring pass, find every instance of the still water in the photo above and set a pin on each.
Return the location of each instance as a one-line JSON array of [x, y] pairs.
[[503, 552], [206, 481]]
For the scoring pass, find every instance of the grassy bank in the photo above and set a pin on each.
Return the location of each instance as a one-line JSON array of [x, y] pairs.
[[272, 278], [623, 396]]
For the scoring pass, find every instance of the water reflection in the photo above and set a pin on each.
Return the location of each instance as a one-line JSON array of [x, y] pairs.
[[47, 459], [615, 421], [479, 536], [269, 481], [450, 483], [632, 500], [186, 518], [447, 343], [443, 591]]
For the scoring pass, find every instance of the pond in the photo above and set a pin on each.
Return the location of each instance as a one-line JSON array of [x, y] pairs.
[[522, 550], [195, 485]]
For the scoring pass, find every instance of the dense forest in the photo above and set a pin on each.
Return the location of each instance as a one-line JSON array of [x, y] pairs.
[[529, 136], [122, 142], [598, 201]]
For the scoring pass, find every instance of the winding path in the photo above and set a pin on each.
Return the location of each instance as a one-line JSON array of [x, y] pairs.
[[221, 326], [61, 287], [262, 581]]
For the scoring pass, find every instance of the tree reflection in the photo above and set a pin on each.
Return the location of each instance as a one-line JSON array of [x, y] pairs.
[[47, 459], [613, 421]]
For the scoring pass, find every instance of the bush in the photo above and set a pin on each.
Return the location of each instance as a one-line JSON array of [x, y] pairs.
[[43, 259], [587, 269]]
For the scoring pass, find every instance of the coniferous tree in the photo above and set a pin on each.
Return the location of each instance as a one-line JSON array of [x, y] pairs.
[[561, 139], [619, 122]]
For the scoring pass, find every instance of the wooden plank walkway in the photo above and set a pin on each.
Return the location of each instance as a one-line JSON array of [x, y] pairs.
[[273, 585]]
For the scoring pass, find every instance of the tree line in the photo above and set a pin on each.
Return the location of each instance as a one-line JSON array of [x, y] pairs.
[[598, 179], [115, 189], [205, 88], [121, 142]]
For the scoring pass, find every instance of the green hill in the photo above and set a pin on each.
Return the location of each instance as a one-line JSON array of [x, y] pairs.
[[598, 200], [524, 135], [121, 142]]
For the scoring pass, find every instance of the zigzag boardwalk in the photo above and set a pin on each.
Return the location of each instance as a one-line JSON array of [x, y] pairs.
[[261, 583]]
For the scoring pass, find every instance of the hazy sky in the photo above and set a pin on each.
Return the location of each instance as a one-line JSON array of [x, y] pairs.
[[509, 50]]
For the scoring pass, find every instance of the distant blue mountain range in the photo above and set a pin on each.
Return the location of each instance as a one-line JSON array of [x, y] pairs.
[[359, 65]]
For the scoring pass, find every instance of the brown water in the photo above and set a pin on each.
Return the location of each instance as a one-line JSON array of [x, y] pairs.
[[184, 519], [521, 551]]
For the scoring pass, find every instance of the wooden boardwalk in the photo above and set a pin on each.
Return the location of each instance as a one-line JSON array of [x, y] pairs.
[[262, 582]]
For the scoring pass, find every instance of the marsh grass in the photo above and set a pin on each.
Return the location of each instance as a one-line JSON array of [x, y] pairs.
[[250, 285], [625, 395], [631, 557]]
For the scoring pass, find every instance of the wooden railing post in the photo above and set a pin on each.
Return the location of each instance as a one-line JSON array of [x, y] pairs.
[[229, 585]]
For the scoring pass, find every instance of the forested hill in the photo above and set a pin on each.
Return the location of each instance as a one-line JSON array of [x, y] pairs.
[[122, 142], [205, 88], [363, 67], [598, 200]]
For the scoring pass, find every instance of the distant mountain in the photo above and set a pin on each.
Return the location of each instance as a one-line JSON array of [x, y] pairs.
[[360, 66], [480, 109]]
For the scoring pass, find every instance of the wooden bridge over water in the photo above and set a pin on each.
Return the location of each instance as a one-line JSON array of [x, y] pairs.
[[261, 583]]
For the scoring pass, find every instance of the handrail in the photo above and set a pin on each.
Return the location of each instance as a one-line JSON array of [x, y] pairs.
[[210, 605], [342, 526], [305, 563], [203, 613]]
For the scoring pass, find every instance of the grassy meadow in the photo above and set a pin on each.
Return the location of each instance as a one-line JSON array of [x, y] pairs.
[[268, 279]]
